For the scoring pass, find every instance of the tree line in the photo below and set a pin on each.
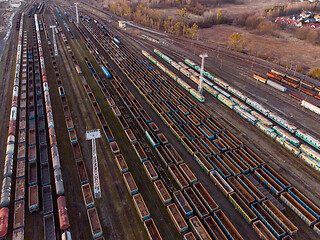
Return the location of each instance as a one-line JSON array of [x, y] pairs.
[[153, 18]]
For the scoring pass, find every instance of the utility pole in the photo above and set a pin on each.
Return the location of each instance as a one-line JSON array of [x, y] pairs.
[[200, 89], [54, 40], [77, 13], [253, 60], [93, 135]]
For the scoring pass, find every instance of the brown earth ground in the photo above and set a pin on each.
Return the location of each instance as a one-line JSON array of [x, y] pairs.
[[286, 49], [256, 6], [4, 17]]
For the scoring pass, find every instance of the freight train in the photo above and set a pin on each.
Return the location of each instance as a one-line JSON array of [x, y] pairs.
[[59, 186], [192, 91], [11, 140], [261, 122], [169, 158], [301, 85], [285, 139], [251, 160]]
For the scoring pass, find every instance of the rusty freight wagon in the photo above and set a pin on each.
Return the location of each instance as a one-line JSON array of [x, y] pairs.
[[251, 188], [114, 147], [121, 163], [76, 151], [165, 157], [205, 197], [203, 162], [139, 151], [178, 177], [174, 154], [303, 213], [214, 228], [20, 189], [243, 193], [245, 159], [33, 200], [202, 148], [279, 217], [87, 195], [162, 191], [219, 167], [189, 236], [152, 230], [199, 229], [141, 207], [151, 172], [196, 203], [188, 173], [82, 172], [130, 183], [18, 219], [130, 135], [94, 221], [226, 225], [21, 166], [262, 231], [243, 208], [177, 218], [229, 165], [268, 221], [237, 162]]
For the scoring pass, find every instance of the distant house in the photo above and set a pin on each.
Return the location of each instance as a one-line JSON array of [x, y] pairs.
[[15, 4], [311, 1], [305, 14], [296, 17], [292, 22], [122, 24], [296, 23], [309, 20], [312, 25]]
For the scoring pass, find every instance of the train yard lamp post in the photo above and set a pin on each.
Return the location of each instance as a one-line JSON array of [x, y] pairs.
[[200, 89], [77, 13], [93, 135], [54, 40], [253, 60]]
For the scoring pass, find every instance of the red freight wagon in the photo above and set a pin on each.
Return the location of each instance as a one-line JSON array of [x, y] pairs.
[[4, 218], [63, 213]]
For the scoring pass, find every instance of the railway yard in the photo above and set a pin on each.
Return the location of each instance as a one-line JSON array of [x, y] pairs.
[[240, 161]]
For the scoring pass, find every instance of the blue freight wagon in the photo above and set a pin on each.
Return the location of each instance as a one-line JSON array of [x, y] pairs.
[[116, 40], [106, 72]]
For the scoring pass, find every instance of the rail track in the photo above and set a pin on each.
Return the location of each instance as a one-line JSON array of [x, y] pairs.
[[109, 44]]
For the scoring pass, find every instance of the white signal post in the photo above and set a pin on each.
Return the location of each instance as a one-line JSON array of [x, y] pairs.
[[54, 40], [77, 13], [200, 88], [93, 135]]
